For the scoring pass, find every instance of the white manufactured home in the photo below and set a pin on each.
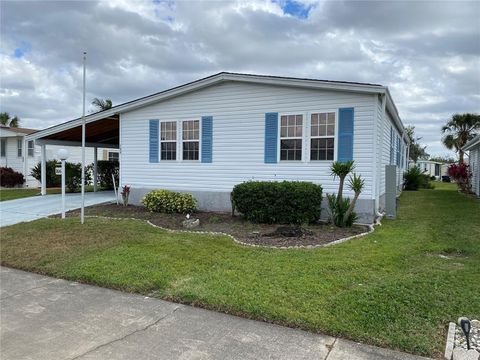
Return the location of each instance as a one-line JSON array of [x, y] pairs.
[[206, 136], [22, 155], [473, 148], [430, 168]]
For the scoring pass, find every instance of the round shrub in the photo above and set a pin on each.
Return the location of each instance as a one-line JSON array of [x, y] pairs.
[[10, 178], [166, 201], [287, 202]]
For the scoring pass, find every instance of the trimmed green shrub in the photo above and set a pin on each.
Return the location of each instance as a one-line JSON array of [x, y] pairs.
[[414, 179], [166, 201], [51, 179], [10, 178], [73, 175], [287, 202], [105, 170]]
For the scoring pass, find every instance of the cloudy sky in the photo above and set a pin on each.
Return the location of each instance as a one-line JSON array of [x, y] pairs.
[[428, 53]]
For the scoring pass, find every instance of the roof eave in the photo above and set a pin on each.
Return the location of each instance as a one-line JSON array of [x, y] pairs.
[[209, 81], [472, 143]]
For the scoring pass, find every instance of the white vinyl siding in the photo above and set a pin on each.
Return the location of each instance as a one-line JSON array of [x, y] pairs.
[[238, 111], [474, 162]]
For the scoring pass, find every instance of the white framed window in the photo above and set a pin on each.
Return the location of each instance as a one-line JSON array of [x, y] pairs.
[[191, 140], [3, 147], [113, 156], [30, 148], [291, 137], [168, 140], [322, 136], [19, 147]]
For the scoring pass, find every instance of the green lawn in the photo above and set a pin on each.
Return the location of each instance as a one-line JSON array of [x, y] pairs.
[[12, 194], [390, 288]]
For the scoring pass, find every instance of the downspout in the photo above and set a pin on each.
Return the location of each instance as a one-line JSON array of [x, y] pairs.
[[375, 192], [384, 106]]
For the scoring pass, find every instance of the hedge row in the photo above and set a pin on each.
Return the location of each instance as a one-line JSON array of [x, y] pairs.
[[287, 202]]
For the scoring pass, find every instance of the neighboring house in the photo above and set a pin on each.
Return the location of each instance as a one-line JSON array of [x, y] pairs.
[[22, 155], [430, 168], [473, 147], [207, 136]]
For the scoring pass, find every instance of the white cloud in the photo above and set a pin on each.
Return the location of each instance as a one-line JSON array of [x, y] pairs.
[[427, 53]]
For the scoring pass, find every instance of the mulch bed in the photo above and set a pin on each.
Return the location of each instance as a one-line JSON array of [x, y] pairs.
[[245, 231]]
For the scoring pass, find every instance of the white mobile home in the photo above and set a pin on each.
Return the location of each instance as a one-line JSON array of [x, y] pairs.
[[430, 168], [22, 155], [473, 148], [207, 136]]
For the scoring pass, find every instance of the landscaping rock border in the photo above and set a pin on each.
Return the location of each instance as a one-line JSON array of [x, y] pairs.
[[339, 241], [456, 347]]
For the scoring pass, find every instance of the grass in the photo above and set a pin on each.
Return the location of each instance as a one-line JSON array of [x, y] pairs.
[[18, 193], [390, 288]]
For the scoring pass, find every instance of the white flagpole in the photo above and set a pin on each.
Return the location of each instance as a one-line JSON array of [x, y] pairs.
[[82, 212]]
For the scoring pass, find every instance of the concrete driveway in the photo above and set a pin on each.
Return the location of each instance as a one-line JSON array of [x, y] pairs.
[[47, 318], [36, 207]]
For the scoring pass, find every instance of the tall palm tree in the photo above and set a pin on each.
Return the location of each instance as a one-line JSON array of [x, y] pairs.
[[102, 104], [6, 120], [458, 130]]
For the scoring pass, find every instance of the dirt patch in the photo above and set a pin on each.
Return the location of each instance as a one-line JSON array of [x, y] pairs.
[[245, 231]]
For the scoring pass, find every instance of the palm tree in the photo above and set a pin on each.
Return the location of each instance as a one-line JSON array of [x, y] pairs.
[[341, 170], [6, 120], [460, 129], [356, 184], [102, 104]]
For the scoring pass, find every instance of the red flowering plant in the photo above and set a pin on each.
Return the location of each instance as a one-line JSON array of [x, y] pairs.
[[462, 175], [125, 194]]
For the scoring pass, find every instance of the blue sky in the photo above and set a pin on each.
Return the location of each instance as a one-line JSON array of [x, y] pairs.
[[295, 8]]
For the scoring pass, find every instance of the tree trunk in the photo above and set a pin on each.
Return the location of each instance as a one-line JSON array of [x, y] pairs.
[[461, 156], [340, 189], [350, 209]]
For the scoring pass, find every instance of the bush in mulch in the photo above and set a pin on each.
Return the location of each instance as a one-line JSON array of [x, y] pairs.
[[286, 202]]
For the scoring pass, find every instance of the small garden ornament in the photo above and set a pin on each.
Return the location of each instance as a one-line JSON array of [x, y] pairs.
[[125, 194], [190, 223]]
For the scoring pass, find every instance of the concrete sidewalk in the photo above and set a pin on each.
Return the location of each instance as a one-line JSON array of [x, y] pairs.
[[47, 318], [36, 207]]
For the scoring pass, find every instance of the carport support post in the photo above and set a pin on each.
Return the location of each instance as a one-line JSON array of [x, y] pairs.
[[95, 156], [43, 168]]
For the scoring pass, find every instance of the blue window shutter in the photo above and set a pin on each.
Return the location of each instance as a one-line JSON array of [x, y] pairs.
[[271, 137], [153, 141], [207, 138], [345, 134]]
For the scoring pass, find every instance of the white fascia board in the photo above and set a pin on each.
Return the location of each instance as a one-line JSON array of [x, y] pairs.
[[305, 83], [472, 143], [10, 133]]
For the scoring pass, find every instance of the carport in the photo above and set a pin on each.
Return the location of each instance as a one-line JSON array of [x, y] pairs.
[[102, 130]]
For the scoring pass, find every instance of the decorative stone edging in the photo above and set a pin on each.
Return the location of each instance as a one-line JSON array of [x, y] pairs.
[[339, 241]]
